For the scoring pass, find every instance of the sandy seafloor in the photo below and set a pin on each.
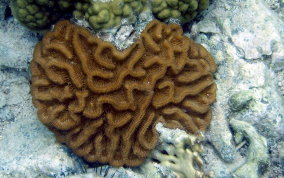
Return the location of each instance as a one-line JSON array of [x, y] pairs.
[[246, 135]]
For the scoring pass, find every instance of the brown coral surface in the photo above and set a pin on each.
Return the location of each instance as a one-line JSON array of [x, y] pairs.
[[104, 103]]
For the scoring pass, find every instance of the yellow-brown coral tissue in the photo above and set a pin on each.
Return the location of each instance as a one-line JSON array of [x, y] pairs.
[[104, 103]]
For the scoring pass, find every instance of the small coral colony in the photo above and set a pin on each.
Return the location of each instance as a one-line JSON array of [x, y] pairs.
[[104, 103]]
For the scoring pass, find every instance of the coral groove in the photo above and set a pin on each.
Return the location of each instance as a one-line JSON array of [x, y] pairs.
[[104, 103]]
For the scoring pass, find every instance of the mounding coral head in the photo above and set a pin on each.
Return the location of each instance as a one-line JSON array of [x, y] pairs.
[[104, 103], [104, 15], [183, 10], [38, 15]]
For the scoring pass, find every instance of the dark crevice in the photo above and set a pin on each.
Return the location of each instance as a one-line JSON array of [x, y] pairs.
[[8, 13], [16, 71]]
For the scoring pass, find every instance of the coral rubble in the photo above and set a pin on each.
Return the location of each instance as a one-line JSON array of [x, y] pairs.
[[104, 103], [257, 150], [180, 154]]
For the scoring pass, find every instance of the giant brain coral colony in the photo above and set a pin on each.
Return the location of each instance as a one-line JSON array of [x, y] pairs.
[[104, 103]]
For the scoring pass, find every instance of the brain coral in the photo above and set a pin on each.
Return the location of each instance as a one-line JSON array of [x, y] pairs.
[[104, 103]]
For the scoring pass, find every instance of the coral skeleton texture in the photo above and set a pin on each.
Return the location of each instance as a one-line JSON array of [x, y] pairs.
[[104, 103], [181, 155]]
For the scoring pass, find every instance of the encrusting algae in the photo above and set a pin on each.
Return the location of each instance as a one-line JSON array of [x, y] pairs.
[[104, 103]]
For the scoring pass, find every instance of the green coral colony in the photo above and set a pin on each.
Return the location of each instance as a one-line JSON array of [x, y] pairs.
[[40, 14], [184, 10], [108, 14]]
